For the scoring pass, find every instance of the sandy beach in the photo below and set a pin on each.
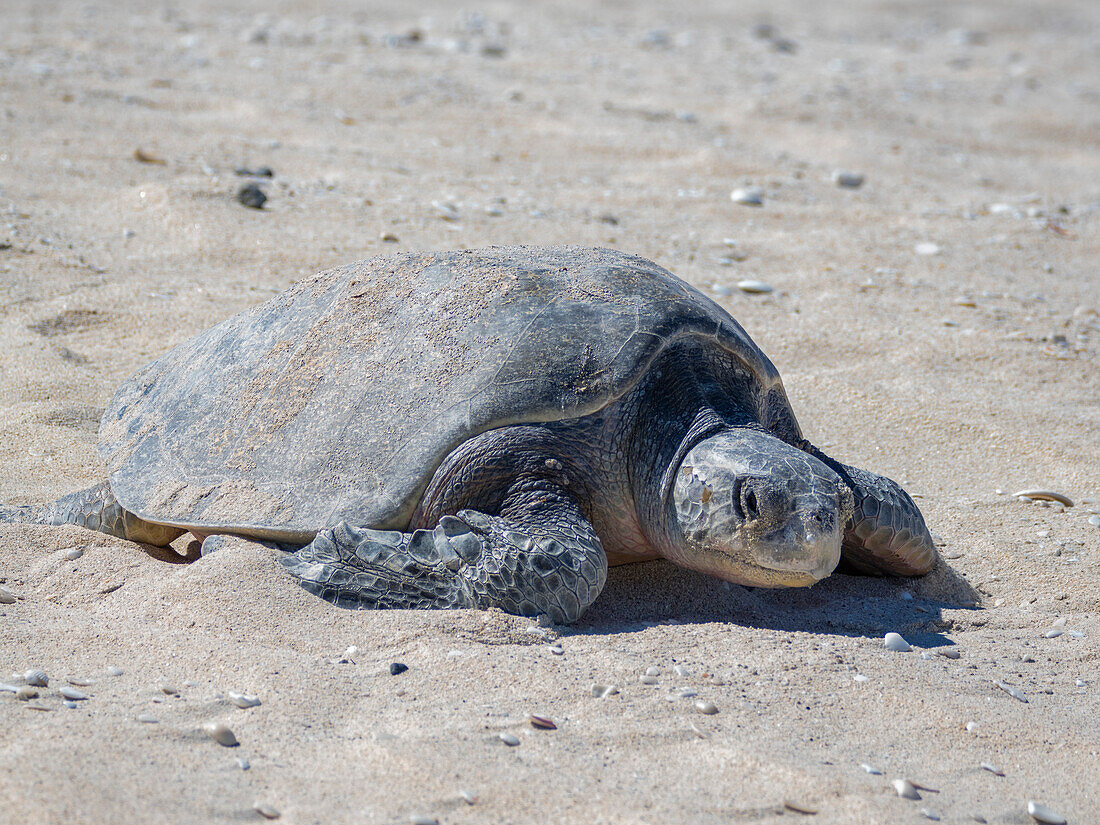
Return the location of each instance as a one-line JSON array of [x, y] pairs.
[[928, 226]]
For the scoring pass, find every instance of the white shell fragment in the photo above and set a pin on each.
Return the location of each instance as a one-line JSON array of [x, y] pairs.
[[36, 677], [905, 789], [146, 719], [754, 287], [508, 739], [73, 694], [927, 248], [993, 769], [468, 796], [748, 196], [6, 596], [1041, 813], [895, 642], [266, 811], [1015, 693], [871, 769], [243, 700], [1045, 495], [600, 691], [220, 733]]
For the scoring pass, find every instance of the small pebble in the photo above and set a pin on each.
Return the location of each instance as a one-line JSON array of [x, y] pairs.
[[1015, 693], [721, 289], [266, 811], [850, 180], [72, 680], [243, 763], [894, 641], [114, 671], [706, 708], [949, 652], [6, 688], [74, 553], [1094, 521], [252, 196], [508, 739], [927, 248], [652, 671], [1079, 682], [905, 789], [928, 813], [646, 679], [69, 703], [147, 719], [600, 691], [73, 694], [1053, 633], [542, 722], [1041, 813], [168, 689], [557, 651], [799, 807], [468, 796], [681, 671], [388, 237], [748, 196], [36, 677], [985, 766], [971, 726], [243, 700], [871, 769], [25, 693], [717, 681], [754, 287], [397, 668], [220, 733], [6, 596], [686, 693], [859, 677]]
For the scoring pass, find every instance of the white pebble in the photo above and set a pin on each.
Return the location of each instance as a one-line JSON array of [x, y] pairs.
[[646, 679], [949, 652], [243, 763], [652, 671], [687, 693], [147, 719], [859, 677], [905, 789], [468, 796], [1054, 633], [754, 287], [1041, 813], [681, 671], [508, 739], [1059, 622], [1079, 682], [74, 553], [928, 813], [170, 690], [220, 733], [1015, 693], [114, 671], [243, 700], [1094, 521], [556, 650], [871, 769], [748, 196], [705, 707], [6, 596], [600, 691], [927, 248], [971, 726], [894, 642], [72, 693]]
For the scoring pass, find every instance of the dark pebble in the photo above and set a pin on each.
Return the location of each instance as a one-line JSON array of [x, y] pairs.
[[397, 668], [252, 196], [258, 172]]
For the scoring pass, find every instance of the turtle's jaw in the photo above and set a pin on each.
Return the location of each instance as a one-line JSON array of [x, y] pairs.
[[754, 510]]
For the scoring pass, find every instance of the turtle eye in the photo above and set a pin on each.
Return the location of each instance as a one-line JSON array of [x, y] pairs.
[[745, 496]]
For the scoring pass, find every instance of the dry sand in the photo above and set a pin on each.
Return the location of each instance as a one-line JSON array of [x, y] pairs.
[[959, 373]]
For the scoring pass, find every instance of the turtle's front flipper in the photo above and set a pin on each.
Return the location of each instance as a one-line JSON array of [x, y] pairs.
[[886, 534], [96, 509], [472, 560]]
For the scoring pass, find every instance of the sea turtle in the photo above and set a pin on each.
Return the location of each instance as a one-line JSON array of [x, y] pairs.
[[487, 427]]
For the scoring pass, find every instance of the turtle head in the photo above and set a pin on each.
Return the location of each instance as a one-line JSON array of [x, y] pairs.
[[751, 509]]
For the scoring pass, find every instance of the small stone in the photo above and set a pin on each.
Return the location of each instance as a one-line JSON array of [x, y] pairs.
[[985, 766], [717, 681], [114, 671], [220, 733], [74, 553], [73, 694], [895, 642], [1053, 633], [928, 813], [388, 237], [1015, 693], [748, 196], [398, 668], [859, 677], [243, 700], [508, 739], [6, 596], [652, 671], [36, 677], [468, 796], [849, 180], [556, 650], [252, 196], [25, 693], [949, 652], [927, 248], [721, 289], [871, 769], [170, 690], [145, 718], [1041, 813], [647, 679], [1094, 521], [1079, 682], [600, 691], [266, 811], [681, 671], [72, 680], [243, 763], [706, 708], [754, 287], [686, 693], [971, 726], [905, 789], [542, 722]]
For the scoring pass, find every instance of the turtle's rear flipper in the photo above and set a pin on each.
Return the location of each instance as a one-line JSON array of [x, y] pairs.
[[95, 509], [886, 534], [472, 560]]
